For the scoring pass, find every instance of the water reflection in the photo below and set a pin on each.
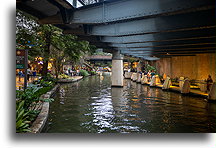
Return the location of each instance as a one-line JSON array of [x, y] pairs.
[[91, 105], [102, 111]]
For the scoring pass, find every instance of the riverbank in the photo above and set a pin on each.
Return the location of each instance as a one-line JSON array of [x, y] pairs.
[[177, 89], [73, 79], [193, 92], [41, 119]]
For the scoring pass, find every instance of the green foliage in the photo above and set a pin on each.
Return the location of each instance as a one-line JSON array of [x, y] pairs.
[[48, 41], [29, 96], [19, 93], [149, 67], [46, 83], [48, 78], [131, 60], [92, 72], [47, 100], [84, 73], [32, 114], [100, 52], [26, 34], [41, 91], [64, 76], [28, 103], [22, 122]]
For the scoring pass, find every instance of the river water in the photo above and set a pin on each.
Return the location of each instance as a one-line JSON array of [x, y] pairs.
[[92, 106]]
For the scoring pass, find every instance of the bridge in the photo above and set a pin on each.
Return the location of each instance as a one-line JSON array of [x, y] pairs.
[[146, 29]]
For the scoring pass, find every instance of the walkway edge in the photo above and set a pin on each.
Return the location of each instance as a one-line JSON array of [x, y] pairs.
[[40, 121], [69, 80], [178, 91]]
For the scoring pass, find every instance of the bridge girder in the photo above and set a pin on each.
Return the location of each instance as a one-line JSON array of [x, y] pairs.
[[152, 25], [172, 37], [122, 10], [184, 27]]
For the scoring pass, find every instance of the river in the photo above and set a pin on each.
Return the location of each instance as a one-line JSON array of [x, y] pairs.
[[93, 106]]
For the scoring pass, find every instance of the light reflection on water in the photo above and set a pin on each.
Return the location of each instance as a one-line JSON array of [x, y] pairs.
[[91, 105]]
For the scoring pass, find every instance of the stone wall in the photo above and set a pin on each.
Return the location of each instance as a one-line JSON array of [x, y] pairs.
[[195, 67]]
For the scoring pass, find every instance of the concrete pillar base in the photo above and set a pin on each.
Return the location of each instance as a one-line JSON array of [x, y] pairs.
[[203, 87], [128, 75], [134, 76], [138, 78], [144, 79], [181, 82], [167, 83], [186, 87], [211, 95], [117, 73], [157, 79], [153, 81]]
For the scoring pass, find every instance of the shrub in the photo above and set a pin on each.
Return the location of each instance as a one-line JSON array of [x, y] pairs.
[[84, 73], [49, 78], [22, 122], [64, 76], [28, 103], [28, 95], [149, 68], [92, 73]]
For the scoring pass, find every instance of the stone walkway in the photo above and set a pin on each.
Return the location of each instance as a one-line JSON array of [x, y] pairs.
[[20, 83], [71, 79], [192, 91]]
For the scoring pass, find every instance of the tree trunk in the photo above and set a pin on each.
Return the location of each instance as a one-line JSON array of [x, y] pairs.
[[44, 69], [46, 53]]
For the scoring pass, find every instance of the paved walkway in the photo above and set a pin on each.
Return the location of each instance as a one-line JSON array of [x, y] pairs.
[[192, 91], [77, 77], [20, 83]]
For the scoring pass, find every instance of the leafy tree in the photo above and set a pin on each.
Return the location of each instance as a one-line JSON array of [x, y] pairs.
[[68, 48], [46, 35], [48, 42], [26, 34]]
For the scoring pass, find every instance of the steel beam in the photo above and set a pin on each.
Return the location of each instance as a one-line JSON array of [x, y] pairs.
[[121, 10], [167, 49], [201, 33], [149, 58], [159, 55], [24, 7], [151, 52], [153, 58], [175, 23], [164, 45]]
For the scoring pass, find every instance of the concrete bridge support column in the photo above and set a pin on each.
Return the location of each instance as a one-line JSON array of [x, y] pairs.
[[117, 69]]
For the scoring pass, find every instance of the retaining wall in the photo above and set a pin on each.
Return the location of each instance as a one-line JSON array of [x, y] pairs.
[[194, 67]]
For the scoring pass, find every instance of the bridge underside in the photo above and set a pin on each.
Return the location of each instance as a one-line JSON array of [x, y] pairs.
[[147, 29]]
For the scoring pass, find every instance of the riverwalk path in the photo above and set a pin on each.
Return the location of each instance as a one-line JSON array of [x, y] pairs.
[[20, 82], [177, 89]]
